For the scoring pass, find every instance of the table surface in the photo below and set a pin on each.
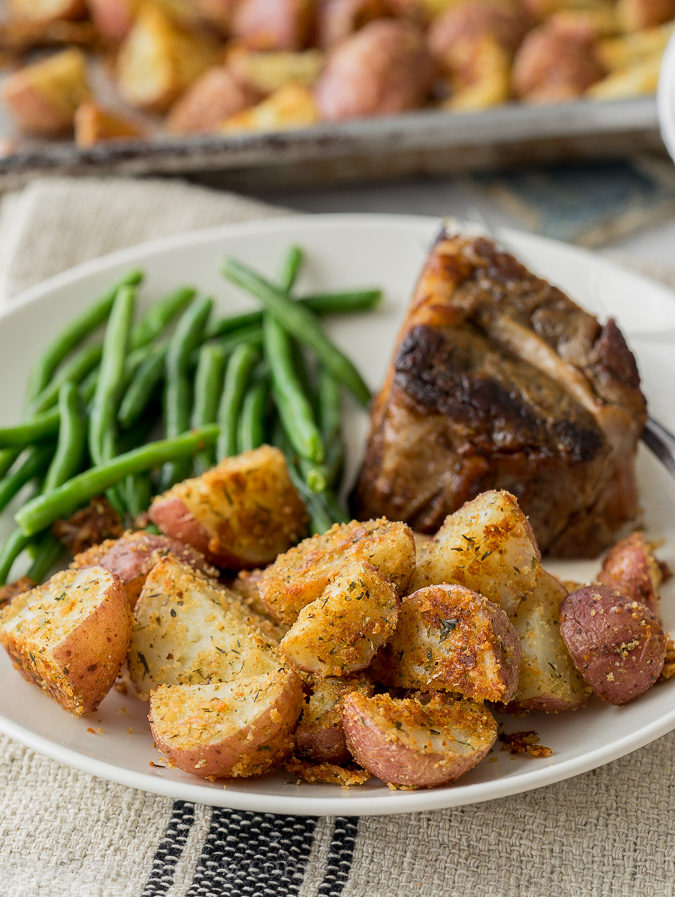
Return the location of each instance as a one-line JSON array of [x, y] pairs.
[[461, 199]]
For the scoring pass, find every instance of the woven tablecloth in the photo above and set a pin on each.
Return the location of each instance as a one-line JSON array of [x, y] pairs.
[[65, 834]]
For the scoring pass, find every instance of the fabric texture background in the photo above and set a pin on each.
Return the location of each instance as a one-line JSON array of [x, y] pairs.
[[65, 834]]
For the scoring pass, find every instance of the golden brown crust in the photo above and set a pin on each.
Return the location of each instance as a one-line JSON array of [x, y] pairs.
[[412, 744], [70, 635], [325, 773], [452, 639], [300, 575], [241, 513], [341, 630]]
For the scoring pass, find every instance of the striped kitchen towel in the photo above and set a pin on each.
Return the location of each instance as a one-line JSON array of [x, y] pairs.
[[66, 834]]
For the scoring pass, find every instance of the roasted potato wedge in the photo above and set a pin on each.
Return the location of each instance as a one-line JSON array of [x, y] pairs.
[[292, 106], [548, 679], [47, 10], [636, 80], [70, 635], [482, 75], [628, 49], [412, 744], [300, 575], [215, 96], [159, 59], [382, 69], [634, 15], [133, 555], [44, 96], [265, 73], [189, 630], [615, 642], [452, 639], [241, 513], [94, 124], [320, 736], [631, 568], [227, 729], [340, 632], [488, 546], [273, 24]]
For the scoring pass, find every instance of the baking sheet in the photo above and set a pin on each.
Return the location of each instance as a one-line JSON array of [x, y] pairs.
[[418, 143]]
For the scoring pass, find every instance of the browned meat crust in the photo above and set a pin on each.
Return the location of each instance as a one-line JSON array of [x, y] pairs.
[[500, 381]]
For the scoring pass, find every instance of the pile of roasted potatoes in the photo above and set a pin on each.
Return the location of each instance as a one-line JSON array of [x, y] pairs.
[[359, 651], [229, 66]]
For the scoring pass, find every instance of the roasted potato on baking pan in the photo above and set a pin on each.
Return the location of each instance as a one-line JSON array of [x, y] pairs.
[[47, 10], [94, 124], [340, 631], [43, 97], [417, 745], [320, 736], [159, 59], [213, 97], [637, 79], [292, 106], [301, 574], [70, 635], [615, 642], [264, 73], [133, 555], [273, 24], [488, 546], [548, 680], [452, 639], [187, 629], [241, 513], [227, 729]]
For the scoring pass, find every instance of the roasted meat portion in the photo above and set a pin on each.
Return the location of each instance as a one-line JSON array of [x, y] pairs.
[[500, 381]]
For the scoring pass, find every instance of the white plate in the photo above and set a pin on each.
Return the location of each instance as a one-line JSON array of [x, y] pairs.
[[347, 251]]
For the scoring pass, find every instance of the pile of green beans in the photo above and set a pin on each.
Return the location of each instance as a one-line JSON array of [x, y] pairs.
[[212, 386]]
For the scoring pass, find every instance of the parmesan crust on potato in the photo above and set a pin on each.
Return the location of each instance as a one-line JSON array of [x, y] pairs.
[[548, 680], [452, 639], [488, 546], [300, 575], [241, 513], [188, 629], [341, 630], [227, 729], [412, 744], [70, 635]]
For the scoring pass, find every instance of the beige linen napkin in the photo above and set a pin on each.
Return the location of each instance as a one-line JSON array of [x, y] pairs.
[[65, 834]]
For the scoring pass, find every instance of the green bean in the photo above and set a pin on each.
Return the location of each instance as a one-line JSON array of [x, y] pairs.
[[293, 405], [49, 549], [158, 317], [251, 428], [7, 457], [34, 463], [74, 370], [72, 440], [138, 493], [300, 323], [73, 334], [110, 380], [344, 302], [37, 429], [290, 269], [43, 510], [237, 376], [12, 547], [208, 390], [178, 389], [142, 387]]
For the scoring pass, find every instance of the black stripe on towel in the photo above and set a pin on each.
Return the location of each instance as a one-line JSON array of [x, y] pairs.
[[340, 856], [253, 855], [170, 849]]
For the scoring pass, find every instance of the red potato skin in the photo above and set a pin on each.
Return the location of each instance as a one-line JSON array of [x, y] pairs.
[[273, 24], [113, 18], [34, 113], [221, 760], [627, 570], [214, 97], [391, 762], [617, 644], [321, 744], [469, 21], [555, 63], [382, 69], [171, 515]]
